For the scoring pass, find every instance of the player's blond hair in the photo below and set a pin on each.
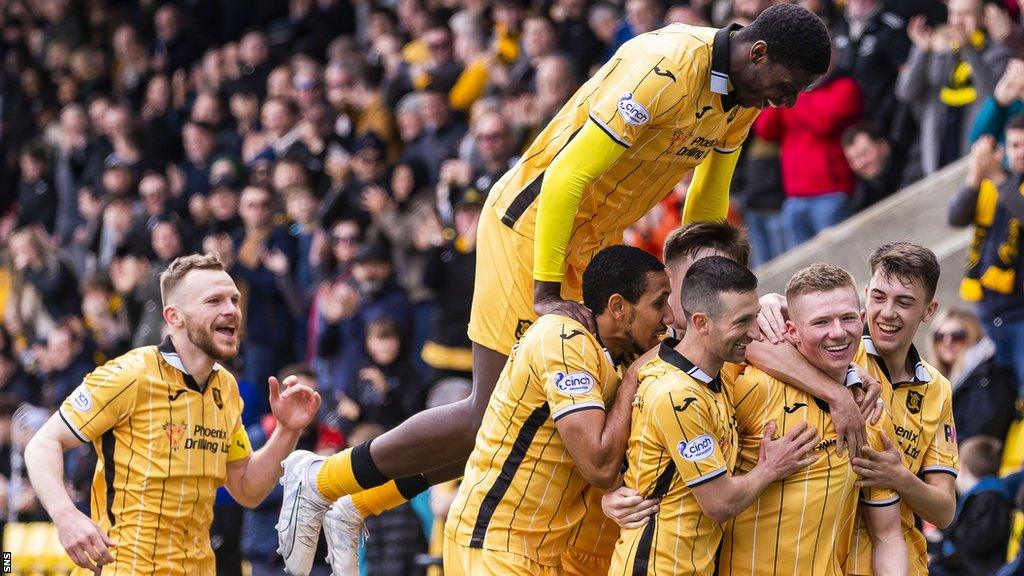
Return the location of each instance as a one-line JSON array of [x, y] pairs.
[[819, 277], [175, 273]]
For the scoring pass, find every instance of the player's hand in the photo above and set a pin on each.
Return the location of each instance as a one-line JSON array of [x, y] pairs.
[[790, 453], [294, 405], [772, 317], [883, 469], [868, 396], [849, 424], [574, 310], [83, 540], [627, 508]]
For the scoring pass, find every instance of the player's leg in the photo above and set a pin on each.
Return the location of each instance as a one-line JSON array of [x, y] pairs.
[[435, 438], [343, 523]]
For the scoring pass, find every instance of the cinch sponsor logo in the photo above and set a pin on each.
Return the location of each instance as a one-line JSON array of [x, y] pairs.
[[574, 382], [697, 449]]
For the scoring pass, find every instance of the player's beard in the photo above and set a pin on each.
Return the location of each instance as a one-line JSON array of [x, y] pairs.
[[202, 338]]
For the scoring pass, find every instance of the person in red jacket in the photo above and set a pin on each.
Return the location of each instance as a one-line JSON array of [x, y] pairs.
[[815, 175]]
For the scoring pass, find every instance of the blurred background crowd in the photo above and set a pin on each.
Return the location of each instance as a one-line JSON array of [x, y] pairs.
[[336, 154]]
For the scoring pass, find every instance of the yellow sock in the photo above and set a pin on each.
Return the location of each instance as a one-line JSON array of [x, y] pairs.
[[376, 500], [336, 477]]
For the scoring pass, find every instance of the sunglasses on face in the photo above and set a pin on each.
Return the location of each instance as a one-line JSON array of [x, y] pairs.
[[955, 336]]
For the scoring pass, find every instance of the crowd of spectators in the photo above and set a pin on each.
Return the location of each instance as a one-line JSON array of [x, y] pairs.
[[336, 155]]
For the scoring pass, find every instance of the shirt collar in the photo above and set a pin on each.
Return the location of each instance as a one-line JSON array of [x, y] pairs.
[[670, 355], [921, 373], [170, 355], [720, 64]]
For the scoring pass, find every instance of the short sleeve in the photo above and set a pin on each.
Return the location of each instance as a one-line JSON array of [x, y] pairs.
[[872, 496], [941, 455], [635, 91], [105, 397], [684, 420], [571, 365]]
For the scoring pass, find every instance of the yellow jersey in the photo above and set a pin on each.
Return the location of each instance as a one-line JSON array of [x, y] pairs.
[[163, 444], [803, 524], [522, 493], [923, 428], [682, 436], [664, 96]]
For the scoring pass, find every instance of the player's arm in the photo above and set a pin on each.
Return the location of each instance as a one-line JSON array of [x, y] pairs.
[[587, 155], [932, 497], [251, 476], [596, 440], [81, 538], [708, 195], [725, 496], [888, 547], [105, 398]]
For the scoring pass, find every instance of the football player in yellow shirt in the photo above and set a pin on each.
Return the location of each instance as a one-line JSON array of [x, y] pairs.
[[805, 524], [683, 445], [670, 101], [547, 434], [166, 425], [919, 460]]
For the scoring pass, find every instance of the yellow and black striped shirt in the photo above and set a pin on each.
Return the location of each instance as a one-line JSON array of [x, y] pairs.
[[522, 492], [664, 96], [163, 444], [682, 436], [803, 524], [923, 428]]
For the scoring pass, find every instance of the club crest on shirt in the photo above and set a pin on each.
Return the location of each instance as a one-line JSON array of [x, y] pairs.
[[573, 383], [521, 327], [175, 434], [698, 449], [632, 111], [914, 401], [81, 400], [216, 398]]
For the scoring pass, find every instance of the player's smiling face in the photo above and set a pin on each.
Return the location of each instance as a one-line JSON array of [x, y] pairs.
[[211, 313], [826, 326], [736, 327], [895, 308]]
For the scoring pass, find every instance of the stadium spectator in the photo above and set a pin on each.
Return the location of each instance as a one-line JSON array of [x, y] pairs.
[[950, 72], [439, 140], [260, 257], [449, 270], [386, 388], [44, 289], [37, 194], [876, 164], [975, 543], [757, 190], [990, 201], [1004, 103], [815, 176], [984, 393], [871, 43]]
